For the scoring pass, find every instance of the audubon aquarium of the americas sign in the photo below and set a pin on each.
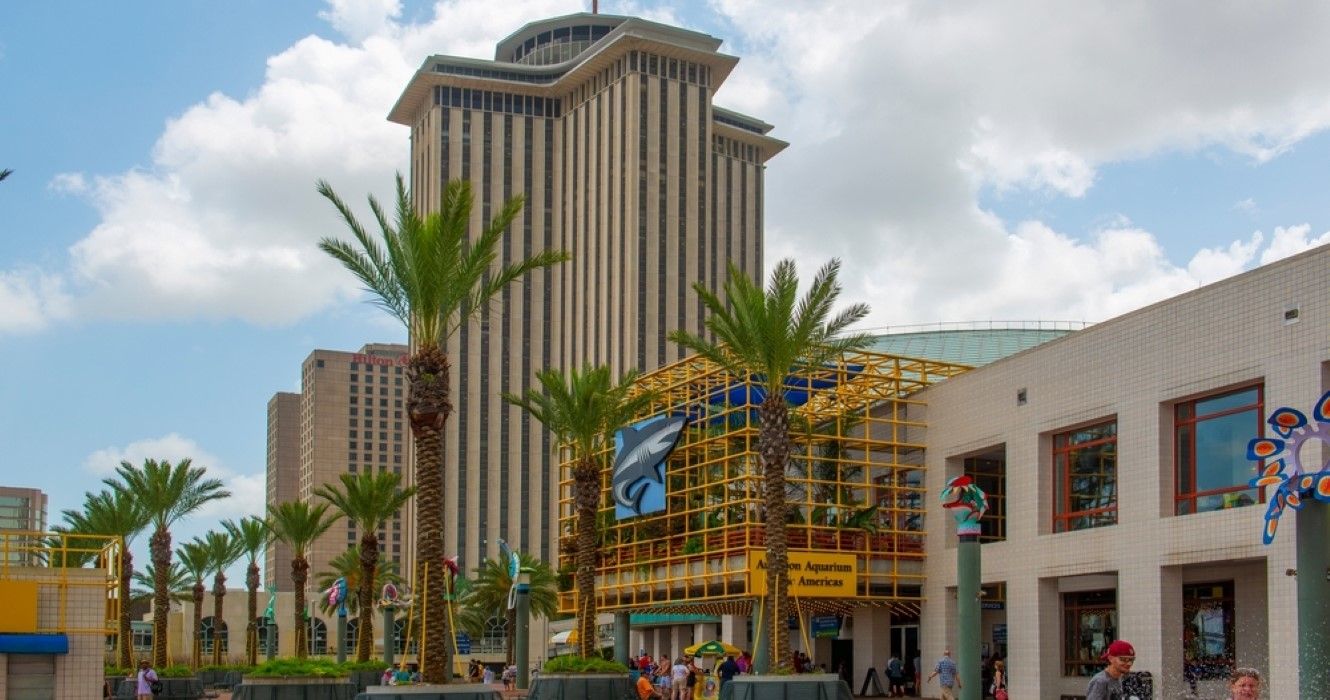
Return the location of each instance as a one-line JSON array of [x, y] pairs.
[[640, 451]]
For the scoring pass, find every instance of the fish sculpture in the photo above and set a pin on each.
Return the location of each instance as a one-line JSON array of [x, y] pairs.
[[967, 503], [639, 458], [1282, 457], [337, 596], [389, 597]]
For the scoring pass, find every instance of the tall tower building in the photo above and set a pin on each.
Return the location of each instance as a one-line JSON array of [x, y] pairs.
[[347, 418], [606, 126], [22, 510]]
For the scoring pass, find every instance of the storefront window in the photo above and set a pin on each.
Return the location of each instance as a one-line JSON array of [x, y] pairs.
[[1211, 435], [1085, 479], [1090, 623], [1207, 630]]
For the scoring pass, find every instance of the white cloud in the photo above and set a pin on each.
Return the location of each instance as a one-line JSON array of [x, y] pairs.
[[898, 121], [172, 447]]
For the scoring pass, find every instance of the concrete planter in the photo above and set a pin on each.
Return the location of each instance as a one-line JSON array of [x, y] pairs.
[[578, 686], [456, 691], [295, 688], [805, 686]]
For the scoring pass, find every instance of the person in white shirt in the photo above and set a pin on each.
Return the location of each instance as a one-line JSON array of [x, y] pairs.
[[679, 680]]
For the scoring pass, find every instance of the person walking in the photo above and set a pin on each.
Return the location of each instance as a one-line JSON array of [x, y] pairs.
[[679, 675], [144, 680], [1107, 684], [727, 670], [895, 677], [947, 677], [1244, 684], [1000, 680]]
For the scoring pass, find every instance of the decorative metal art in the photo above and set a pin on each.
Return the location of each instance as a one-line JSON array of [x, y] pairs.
[[337, 596], [1282, 457], [967, 503], [640, 451]]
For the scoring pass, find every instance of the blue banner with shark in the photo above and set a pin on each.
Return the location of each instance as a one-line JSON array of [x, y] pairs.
[[640, 452]]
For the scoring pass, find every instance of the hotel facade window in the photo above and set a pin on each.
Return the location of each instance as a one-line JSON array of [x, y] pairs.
[[1085, 477], [1208, 616], [1210, 450], [1090, 623]]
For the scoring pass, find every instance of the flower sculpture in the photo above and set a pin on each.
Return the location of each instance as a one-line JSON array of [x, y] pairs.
[[967, 503], [1283, 461], [337, 596], [390, 597]]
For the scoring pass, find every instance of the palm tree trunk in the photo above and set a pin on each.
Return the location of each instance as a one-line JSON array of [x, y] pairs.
[[126, 633], [299, 574], [774, 454], [252, 629], [369, 564], [428, 406], [218, 593], [160, 551], [196, 654], [586, 485]]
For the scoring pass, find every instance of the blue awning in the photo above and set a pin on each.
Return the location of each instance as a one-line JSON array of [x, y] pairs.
[[34, 644]]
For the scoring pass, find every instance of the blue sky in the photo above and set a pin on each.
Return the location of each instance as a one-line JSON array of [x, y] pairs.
[[1057, 161]]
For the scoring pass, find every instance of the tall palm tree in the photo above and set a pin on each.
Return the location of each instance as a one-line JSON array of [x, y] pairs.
[[178, 583], [5, 173], [298, 524], [367, 500], [112, 512], [223, 551], [582, 410], [765, 335], [347, 566], [252, 534], [431, 274], [487, 597], [167, 493], [196, 561]]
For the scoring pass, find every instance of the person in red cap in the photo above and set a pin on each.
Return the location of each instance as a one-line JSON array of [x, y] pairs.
[[1107, 684]]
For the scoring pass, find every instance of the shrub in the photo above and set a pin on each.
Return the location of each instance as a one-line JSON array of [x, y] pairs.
[[177, 671], [370, 665], [117, 672], [283, 668], [577, 664]]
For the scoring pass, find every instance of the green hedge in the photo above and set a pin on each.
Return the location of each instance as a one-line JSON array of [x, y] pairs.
[[577, 664], [281, 668], [180, 671]]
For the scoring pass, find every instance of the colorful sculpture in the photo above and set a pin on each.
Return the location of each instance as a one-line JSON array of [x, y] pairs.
[[967, 503], [337, 596], [1283, 462]]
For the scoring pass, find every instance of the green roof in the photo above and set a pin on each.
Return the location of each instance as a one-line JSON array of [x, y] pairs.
[[969, 346]]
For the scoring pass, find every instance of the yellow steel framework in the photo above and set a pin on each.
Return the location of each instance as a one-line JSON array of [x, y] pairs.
[[71, 580], [854, 487]]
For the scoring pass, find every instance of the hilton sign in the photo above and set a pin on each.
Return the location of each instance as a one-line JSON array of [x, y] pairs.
[[401, 360]]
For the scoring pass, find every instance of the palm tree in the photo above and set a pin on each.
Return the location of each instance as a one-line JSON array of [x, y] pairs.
[[347, 565], [298, 524], [166, 493], [765, 335], [196, 561], [112, 512], [223, 551], [582, 410], [5, 173], [252, 534], [178, 583], [367, 500], [487, 597], [433, 276]]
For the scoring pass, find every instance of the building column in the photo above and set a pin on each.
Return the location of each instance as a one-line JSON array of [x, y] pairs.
[[734, 630], [1140, 604], [872, 644]]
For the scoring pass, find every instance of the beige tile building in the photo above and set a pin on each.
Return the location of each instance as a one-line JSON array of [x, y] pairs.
[[606, 126], [1118, 457], [347, 418], [24, 510]]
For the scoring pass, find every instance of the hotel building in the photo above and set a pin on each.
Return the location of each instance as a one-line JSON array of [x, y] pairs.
[[606, 126]]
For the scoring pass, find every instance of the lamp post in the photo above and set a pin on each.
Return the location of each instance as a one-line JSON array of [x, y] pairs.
[[522, 654], [967, 504]]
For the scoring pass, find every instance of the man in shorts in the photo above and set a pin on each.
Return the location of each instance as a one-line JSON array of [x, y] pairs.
[[947, 677]]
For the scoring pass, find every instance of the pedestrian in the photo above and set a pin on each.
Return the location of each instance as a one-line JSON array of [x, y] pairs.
[[918, 675], [679, 674], [727, 670], [144, 680], [895, 677], [1107, 684], [745, 662], [947, 677], [487, 676], [1244, 684], [1000, 680]]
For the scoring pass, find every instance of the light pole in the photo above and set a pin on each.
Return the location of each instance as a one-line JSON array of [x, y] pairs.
[[522, 654], [967, 503]]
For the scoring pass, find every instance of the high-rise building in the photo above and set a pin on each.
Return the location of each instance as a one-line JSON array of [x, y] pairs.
[[606, 126], [22, 510], [347, 418]]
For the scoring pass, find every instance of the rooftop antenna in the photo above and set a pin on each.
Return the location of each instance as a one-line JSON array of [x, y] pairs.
[[595, 7]]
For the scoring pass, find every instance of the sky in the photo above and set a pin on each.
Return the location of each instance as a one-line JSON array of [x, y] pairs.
[[968, 161]]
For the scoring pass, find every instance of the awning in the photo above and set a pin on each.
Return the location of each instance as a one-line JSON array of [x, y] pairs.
[[34, 644], [564, 637]]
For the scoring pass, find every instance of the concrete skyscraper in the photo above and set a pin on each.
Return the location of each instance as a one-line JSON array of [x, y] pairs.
[[606, 126]]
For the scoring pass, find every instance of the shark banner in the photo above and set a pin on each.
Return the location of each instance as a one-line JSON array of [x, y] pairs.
[[640, 452]]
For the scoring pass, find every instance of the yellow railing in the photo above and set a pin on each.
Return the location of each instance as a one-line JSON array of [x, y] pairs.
[[59, 583]]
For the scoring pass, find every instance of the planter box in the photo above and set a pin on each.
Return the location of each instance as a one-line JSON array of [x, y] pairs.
[[172, 689], [455, 691], [366, 679], [295, 688], [579, 686], [805, 686]]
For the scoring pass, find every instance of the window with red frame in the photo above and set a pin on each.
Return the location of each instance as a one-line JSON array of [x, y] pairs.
[[1085, 477], [1210, 436]]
